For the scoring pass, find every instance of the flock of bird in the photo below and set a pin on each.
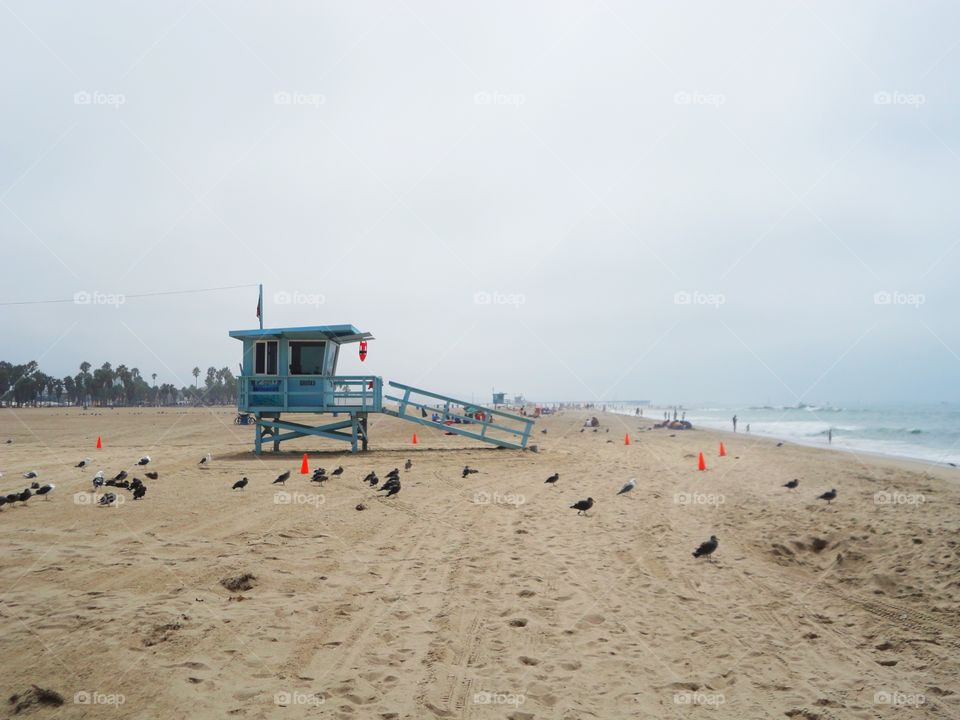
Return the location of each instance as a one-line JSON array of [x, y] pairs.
[[391, 486]]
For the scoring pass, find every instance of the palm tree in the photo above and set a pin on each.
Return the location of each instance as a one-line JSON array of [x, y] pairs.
[[196, 376]]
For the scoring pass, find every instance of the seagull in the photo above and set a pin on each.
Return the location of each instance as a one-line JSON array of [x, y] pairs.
[[3, 501], [145, 460], [707, 548], [319, 478], [828, 496], [370, 475], [206, 460], [83, 463], [240, 484], [34, 485], [97, 482], [139, 492], [338, 471], [408, 464], [153, 475], [25, 495], [792, 484], [372, 479], [628, 486], [581, 506], [107, 499], [467, 470], [11, 498], [779, 444], [389, 485], [31, 474], [282, 479], [120, 475], [393, 490], [394, 473], [552, 479]]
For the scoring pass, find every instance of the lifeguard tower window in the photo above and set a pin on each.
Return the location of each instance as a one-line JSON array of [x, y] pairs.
[[306, 358], [265, 359]]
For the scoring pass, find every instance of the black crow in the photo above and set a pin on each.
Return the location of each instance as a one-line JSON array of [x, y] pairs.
[[282, 479]]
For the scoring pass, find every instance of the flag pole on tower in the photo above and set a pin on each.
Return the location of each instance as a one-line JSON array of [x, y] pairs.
[[260, 307]]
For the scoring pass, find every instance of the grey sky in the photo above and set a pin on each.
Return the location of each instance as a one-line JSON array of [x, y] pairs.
[[576, 165]]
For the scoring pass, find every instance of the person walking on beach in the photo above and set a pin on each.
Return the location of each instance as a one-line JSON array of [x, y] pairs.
[[734, 423], [830, 436], [748, 427]]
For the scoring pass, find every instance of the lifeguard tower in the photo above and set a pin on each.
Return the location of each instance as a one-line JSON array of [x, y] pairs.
[[294, 370]]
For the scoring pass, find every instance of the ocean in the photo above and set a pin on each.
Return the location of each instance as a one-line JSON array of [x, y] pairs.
[[920, 432]]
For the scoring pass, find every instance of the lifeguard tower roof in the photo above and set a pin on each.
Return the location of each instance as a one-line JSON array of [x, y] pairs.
[[334, 333]]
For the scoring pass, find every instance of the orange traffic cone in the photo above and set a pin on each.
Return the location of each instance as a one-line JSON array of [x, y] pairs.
[[723, 450], [702, 465], [414, 438], [304, 466], [626, 439], [99, 443]]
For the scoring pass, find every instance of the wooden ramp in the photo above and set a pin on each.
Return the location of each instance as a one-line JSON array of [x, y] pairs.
[[460, 417]]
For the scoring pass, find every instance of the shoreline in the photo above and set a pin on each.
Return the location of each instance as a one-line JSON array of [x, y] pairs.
[[831, 448]]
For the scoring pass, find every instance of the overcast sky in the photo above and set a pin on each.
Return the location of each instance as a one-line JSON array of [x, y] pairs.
[[674, 201]]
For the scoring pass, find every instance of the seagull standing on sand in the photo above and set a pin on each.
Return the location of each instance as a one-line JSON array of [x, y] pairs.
[[393, 489], [122, 475], [206, 460], [389, 485], [145, 460], [408, 464], [107, 499], [282, 479], [581, 506], [31, 474], [828, 496], [240, 484], [707, 548], [628, 486], [552, 480], [153, 475], [338, 472], [792, 484], [83, 463], [25, 495]]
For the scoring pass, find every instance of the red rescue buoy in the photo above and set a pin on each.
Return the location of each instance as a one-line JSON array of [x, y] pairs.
[[363, 350]]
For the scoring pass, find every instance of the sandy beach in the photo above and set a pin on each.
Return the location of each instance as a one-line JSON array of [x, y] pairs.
[[484, 597]]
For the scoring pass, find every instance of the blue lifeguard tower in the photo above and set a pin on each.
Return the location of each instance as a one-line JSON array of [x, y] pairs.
[[294, 370]]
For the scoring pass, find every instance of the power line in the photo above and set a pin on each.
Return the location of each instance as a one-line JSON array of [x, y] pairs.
[[134, 295]]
